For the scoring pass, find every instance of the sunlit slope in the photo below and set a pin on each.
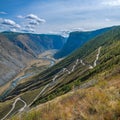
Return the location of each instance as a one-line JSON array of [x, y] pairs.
[[101, 101]]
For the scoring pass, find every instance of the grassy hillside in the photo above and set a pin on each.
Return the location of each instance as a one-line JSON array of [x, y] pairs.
[[107, 68], [99, 102]]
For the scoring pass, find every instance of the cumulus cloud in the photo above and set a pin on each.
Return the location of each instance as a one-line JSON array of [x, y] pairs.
[[30, 22], [111, 2], [10, 23], [35, 18], [28, 26], [2, 12], [33, 23]]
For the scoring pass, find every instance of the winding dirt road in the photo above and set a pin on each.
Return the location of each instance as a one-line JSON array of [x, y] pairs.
[[52, 83], [13, 106]]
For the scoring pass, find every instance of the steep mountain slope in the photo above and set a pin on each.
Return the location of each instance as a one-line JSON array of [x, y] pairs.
[[97, 60], [35, 43], [18, 49], [12, 59], [76, 40]]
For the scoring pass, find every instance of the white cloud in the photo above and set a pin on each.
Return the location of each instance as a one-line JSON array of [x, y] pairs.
[[17, 26], [28, 30], [13, 30], [20, 16], [31, 30], [2, 12], [28, 26], [66, 32], [35, 17], [10, 23], [33, 23], [111, 2]]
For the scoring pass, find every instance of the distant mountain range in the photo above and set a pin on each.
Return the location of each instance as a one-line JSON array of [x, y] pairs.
[[77, 39], [17, 49]]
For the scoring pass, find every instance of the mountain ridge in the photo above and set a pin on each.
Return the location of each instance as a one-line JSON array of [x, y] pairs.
[[78, 38]]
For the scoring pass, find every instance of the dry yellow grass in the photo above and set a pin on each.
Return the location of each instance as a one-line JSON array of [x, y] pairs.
[[101, 102]]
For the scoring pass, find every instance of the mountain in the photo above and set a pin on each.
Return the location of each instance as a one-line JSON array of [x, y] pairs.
[[76, 40], [93, 70], [18, 49], [35, 43], [12, 59]]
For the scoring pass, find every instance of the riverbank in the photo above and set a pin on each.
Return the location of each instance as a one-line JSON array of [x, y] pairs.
[[44, 61]]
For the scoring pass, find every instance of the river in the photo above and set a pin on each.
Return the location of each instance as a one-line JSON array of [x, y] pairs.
[[17, 80]]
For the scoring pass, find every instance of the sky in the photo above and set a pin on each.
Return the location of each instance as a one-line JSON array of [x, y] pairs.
[[58, 16]]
